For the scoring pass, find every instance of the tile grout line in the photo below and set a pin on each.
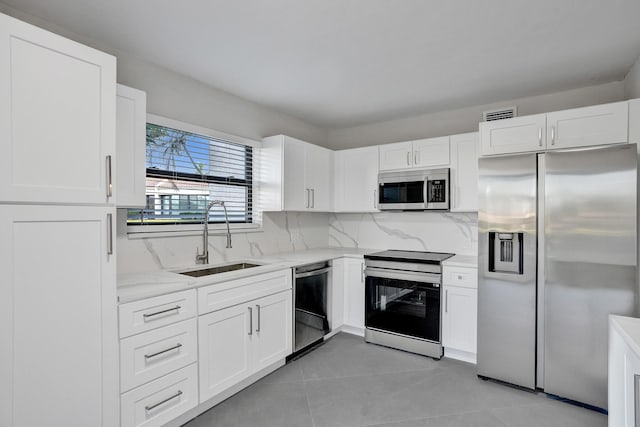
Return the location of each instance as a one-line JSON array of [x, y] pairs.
[[306, 395]]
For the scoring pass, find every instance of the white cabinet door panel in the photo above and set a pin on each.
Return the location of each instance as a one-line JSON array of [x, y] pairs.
[[354, 292], [431, 152], [319, 177], [594, 125], [396, 156], [272, 326], [57, 117], [464, 172], [460, 319], [356, 185], [131, 118], [296, 197], [516, 135], [58, 317], [226, 349]]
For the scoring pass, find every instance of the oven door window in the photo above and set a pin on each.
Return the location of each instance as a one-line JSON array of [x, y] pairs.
[[404, 307], [402, 192]]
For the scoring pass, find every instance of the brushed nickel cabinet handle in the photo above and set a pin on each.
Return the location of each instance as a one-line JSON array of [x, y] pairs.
[[250, 320], [157, 313], [408, 158], [553, 135], [446, 301], [258, 309], [313, 197], [109, 177], [166, 350], [109, 234], [155, 405], [540, 137]]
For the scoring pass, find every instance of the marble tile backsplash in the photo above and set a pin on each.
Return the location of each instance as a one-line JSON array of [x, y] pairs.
[[418, 231], [296, 231], [281, 232]]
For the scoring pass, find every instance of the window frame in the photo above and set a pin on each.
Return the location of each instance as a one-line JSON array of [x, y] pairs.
[[166, 230]]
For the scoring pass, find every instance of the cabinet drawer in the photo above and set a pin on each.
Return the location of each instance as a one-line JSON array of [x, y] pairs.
[[151, 313], [222, 295], [148, 356], [462, 277], [160, 401]]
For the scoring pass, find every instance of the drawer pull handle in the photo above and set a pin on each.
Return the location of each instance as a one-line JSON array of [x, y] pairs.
[[162, 402], [459, 277], [158, 353], [157, 313], [250, 321]]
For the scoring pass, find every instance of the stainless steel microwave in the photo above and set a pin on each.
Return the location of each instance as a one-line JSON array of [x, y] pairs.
[[426, 189]]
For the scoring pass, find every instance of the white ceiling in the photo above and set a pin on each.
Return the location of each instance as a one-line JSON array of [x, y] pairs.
[[338, 63]]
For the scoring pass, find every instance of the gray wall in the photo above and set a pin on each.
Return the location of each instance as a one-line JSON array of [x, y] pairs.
[[632, 81], [178, 97], [466, 119]]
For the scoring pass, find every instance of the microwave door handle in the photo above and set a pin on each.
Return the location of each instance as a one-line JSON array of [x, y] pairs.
[[426, 192]]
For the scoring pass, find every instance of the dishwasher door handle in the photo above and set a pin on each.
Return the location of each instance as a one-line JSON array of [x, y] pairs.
[[313, 273]]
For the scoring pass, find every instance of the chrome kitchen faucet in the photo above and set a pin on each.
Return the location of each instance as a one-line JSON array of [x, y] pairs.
[[203, 258]]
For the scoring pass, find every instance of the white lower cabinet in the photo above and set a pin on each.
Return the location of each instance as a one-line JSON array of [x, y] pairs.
[[148, 356], [460, 312], [58, 320], [162, 400], [238, 341], [158, 364], [354, 287]]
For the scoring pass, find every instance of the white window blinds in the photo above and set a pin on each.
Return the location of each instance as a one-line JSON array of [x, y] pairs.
[[185, 171]]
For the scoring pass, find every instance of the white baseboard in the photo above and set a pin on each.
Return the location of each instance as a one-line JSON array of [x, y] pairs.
[[464, 356], [353, 330]]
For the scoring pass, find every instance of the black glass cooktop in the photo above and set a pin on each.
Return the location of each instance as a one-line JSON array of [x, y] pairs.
[[410, 256]]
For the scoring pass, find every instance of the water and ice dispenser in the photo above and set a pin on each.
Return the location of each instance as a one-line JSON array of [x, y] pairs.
[[506, 252]]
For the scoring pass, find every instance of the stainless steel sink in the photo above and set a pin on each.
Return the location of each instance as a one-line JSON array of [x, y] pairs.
[[216, 270]]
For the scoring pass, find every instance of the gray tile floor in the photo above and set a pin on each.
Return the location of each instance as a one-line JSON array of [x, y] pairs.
[[347, 382]]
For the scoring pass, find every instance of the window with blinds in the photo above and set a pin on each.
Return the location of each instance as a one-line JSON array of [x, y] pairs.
[[186, 171]]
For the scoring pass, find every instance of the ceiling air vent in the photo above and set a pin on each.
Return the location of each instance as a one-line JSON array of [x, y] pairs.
[[500, 113]]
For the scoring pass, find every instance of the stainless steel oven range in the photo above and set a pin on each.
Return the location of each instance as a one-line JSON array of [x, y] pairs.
[[402, 300]]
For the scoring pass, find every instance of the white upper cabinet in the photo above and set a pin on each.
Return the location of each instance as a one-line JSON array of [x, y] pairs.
[[464, 172], [634, 121], [131, 117], [396, 156], [431, 152], [296, 175], [595, 125], [318, 177], [57, 118], [356, 180], [422, 153], [516, 135], [578, 127]]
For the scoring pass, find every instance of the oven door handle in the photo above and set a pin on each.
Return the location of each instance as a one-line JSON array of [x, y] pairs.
[[313, 273], [412, 276]]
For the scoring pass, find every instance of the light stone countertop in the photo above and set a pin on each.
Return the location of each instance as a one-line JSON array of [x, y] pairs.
[[629, 329], [136, 286], [469, 261]]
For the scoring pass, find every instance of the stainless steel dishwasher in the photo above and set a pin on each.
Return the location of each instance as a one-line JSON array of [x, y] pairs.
[[310, 294]]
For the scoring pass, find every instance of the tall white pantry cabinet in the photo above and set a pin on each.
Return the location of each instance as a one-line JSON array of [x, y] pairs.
[[58, 324]]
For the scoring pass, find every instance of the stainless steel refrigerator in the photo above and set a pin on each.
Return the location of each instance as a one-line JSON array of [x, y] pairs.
[[556, 255]]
